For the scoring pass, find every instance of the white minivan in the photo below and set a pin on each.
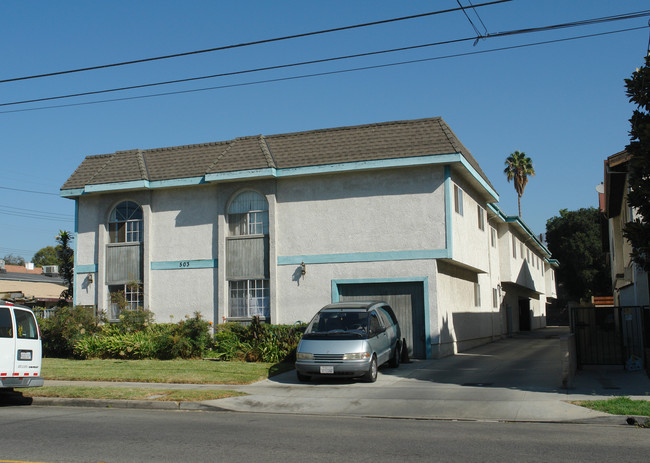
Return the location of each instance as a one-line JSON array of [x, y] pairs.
[[20, 347]]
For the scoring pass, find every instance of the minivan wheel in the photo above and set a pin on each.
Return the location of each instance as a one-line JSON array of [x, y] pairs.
[[394, 362], [371, 376], [303, 378]]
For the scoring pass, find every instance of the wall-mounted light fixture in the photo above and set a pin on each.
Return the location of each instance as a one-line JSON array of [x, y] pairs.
[[303, 269], [90, 278]]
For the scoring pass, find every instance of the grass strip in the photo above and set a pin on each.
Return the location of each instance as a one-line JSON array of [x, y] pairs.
[[129, 393], [160, 371], [618, 406]]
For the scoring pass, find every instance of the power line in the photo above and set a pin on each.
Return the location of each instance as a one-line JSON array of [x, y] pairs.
[[326, 73], [247, 44], [478, 34], [33, 213], [338, 58], [29, 191], [478, 16]]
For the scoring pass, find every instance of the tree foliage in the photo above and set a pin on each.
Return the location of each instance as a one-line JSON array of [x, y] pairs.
[[10, 259], [518, 168], [66, 265], [575, 240], [46, 256], [638, 232]]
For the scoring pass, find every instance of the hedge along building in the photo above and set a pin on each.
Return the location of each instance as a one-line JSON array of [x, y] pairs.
[[278, 226]]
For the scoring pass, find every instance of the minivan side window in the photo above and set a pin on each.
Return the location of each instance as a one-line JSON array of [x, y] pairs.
[[5, 323], [25, 325], [375, 324], [386, 316]]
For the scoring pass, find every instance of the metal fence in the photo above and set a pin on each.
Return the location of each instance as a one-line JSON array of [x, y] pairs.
[[611, 335]]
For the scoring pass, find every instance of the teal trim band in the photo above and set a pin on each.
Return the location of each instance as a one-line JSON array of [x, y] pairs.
[[449, 213], [479, 179], [136, 184], [184, 264], [336, 297], [363, 257], [241, 174], [365, 165], [71, 193], [90, 268], [177, 182]]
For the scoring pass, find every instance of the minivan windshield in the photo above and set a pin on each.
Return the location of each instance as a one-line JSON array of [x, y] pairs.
[[339, 324]]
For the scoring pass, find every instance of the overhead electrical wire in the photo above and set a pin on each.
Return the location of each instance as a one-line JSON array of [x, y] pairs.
[[478, 16], [23, 212], [478, 33], [325, 73], [29, 191], [338, 58], [247, 44]]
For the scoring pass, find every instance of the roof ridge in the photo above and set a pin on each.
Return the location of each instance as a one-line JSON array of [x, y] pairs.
[[266, 149], [194, 145], [224, 152], [142, 164], [356, 127], [451, 136], [108, 161]]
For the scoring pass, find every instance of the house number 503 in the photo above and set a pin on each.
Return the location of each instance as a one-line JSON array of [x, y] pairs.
[[184, 264]]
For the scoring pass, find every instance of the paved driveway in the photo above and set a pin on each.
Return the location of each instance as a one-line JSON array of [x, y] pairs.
[[514, 379]]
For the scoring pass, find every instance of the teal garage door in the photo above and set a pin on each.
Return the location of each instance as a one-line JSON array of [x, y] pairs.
[[407, 301]]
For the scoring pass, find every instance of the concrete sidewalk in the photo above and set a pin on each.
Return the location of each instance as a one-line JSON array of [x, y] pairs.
[[514, 379]]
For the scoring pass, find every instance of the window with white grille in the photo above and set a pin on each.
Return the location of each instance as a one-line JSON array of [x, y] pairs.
[[249, 298]]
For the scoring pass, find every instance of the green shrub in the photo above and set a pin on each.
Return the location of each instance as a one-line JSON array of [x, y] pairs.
[[257, 342], [134, 320], [132, 346], [140, 339], [65, 327]]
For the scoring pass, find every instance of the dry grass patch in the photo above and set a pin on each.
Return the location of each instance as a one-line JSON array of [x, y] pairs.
[[130, 393]]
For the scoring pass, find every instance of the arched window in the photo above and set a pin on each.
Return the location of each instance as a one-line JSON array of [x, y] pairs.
[[125, 223], [248, 214]]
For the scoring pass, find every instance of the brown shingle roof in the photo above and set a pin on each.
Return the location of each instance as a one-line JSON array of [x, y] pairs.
[[387, 140]]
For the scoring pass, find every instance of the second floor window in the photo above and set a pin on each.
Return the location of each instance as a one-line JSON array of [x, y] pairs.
[[458, 200], [125, 223], [248, 214]]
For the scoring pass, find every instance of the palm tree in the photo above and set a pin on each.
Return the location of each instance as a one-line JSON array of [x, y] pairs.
[[518, 168]]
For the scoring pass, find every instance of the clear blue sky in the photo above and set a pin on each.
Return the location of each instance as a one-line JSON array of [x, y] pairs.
[[563, 104]]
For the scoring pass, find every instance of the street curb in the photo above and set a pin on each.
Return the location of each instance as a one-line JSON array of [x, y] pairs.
[[109, 403], [612, 420]]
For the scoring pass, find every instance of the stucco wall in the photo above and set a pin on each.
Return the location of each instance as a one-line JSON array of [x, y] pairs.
[[361, 212], [463, 324], [470, 243], [300, 297], [183, 229]]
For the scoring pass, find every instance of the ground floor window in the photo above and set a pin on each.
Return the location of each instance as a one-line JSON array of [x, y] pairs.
[[128, 296], [249, 298]]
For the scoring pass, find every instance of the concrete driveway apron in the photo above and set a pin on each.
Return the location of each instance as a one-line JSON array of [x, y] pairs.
[[513, 379]]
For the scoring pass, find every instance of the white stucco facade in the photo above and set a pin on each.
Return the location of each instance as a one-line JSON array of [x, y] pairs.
[[425, 231]]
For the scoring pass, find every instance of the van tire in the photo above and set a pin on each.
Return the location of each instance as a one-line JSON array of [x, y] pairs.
[[303, 378], [371, 375]]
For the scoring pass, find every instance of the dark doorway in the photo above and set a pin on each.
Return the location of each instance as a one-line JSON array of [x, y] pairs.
[[524, 315]]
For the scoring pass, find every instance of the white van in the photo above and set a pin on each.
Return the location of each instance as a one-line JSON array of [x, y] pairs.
[[20, 347]]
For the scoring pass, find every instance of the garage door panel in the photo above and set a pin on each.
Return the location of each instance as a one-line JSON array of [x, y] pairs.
[[407, 301]]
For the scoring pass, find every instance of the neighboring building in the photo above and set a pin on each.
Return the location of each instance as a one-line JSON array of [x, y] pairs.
[[29, 285], [278, 226], [629, 281]]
